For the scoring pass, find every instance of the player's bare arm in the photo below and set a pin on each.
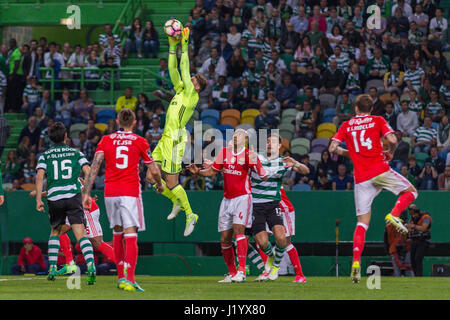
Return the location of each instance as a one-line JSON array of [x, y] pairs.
[[336, 149], [391, 141], [39, 185], [91, 175], [208, 172], [295, 165], [154, 175]]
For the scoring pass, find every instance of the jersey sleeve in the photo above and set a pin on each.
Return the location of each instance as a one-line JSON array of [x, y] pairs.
[[82, 159], [259, 169], [340, 134], [218, 163], [185, 72], [41, 163], [145, 151], [173, 72], [385, 127], [101, 146]]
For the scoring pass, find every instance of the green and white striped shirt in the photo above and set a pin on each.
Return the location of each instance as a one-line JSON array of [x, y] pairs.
[[414, 76], [267, 191], [221, 96], [62, 165], [2, 83], [434, 108], [445, 91], [256, 42], [425, 134], [415, 106], [31, 93], [343, 61]]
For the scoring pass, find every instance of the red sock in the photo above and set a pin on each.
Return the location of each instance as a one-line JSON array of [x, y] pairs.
[[119, 253], [263, 255], [64, 243], [107, 250], [358, 240], [293, 256], [403, 202], [228, 256], [241, 244], [131, 254]]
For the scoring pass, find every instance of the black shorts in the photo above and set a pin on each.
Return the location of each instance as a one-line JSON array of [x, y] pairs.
[[72, 208], [267, 212]]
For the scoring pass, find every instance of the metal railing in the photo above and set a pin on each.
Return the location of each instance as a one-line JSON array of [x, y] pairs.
[[143, 78], [129, 12]]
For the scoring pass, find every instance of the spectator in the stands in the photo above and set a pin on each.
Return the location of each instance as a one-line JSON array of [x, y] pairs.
[[300, 21], [83, 108], [378, 108], [443, 136], [424, 137], [222, 95], [305, 121], [438, 25], [112, 127], [165, 90], [389, 115], [151, 40], [12, 169], [444, 179], [234, 36], [434, 109], [427, 179], [216, 60], [64, 107], [401, 152], [103, 38], [134, 40], [243, 95], [344, 108], [286, 93], [414, 77], [224, 48], [127, 101], [154, 133], [44, 140], [30, 259], [111, 50], [46, 104], [264, 120], [407, 121], [93, 134], [333, 79], [236, 65], [31, 96], [273, 105], [393, 80], [55, 60], [32, 131], [437, 162], [342, 181]]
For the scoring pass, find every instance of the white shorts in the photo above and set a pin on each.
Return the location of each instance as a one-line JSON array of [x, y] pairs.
[[125, 212], [235, 211], [366, 191], [93, 226]]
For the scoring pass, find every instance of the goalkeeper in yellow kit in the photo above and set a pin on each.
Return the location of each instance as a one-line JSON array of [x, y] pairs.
[[170, 149]]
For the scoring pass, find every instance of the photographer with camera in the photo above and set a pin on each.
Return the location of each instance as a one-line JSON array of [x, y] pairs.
[[399, 248], [420, 233]]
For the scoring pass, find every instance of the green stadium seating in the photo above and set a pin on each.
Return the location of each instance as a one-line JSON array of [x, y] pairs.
[[421, 158]]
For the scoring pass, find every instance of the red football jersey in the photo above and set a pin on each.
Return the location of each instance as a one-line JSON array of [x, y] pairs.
[[236, 169], [123, 152], [362, 136], [285, 203]]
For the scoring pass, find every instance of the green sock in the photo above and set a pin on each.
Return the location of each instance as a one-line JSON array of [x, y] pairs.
[[268, 250], [182, 198], [53, 249], [279, 252], [88, 252], [255, 258], [168, 193]]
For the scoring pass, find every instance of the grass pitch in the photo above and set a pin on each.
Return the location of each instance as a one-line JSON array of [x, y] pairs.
[[205, 288]]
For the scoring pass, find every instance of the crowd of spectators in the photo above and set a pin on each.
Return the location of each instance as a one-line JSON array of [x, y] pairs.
[[272, 55]]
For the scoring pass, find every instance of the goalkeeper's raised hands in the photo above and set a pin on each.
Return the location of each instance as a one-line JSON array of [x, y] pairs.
[[185, 37]]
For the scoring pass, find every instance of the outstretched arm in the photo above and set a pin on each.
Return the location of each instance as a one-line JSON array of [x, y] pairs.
[[334, 148], [89, 180], [173, 64], [184, 62]]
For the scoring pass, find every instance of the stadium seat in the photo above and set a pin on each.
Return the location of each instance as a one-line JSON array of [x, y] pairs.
[[189, 128], [319, 144], [230, 121], [210, 113], [285, 145], [28, 186], [101, 126], [248, 120], [223, 129], [104, 115], [252, 113], [231, 113], [206, 126], [379, 84], [314, 158], [245, 126], [326, 130], [328, 115], [301, 187], [327, 100], [286, 130], [76, 128], [210, 120], [288, 115], [301, 142], [299, 149], [421, 157]]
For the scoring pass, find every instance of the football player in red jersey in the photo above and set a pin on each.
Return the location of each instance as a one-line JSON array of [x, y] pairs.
[[363, 137], [122, 152], [236, 162]]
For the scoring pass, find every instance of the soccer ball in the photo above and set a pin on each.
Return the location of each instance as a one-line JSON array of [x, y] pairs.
[[173, 28]]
